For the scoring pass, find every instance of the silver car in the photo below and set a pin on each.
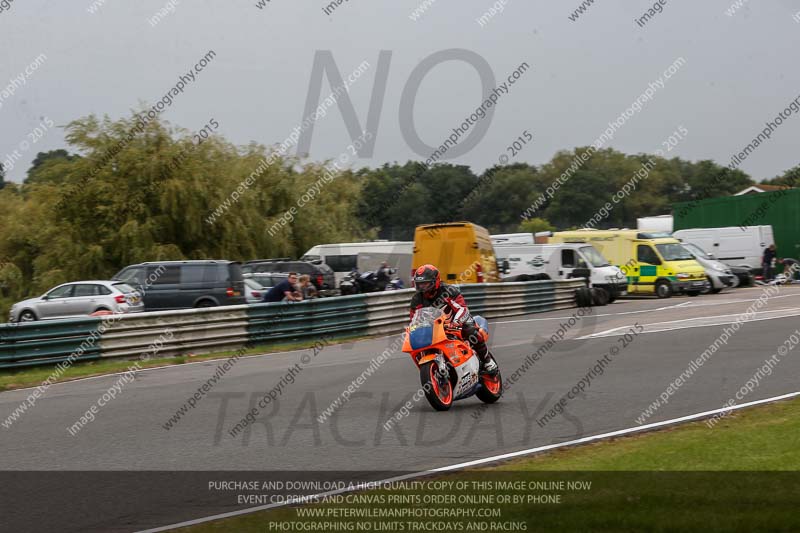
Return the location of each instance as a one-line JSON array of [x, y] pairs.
[[257, 285], [253, 291], [719, 274], [79, 298]]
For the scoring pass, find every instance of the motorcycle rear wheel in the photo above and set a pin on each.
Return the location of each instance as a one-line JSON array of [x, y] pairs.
[[491, 388], [438, 389]]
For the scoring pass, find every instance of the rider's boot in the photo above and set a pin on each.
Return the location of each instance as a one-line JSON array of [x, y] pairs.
[[488, 364]]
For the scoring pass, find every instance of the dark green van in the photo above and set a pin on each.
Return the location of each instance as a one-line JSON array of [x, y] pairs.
[[186, 284]]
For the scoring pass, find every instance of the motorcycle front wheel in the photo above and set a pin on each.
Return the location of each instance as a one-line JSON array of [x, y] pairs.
[[438, 389], [491, 388]]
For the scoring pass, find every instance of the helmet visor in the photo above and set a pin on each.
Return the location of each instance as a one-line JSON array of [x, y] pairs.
[[424, 286]]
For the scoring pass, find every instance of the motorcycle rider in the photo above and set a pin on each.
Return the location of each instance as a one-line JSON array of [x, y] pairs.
[[432, 292], [384, 274]]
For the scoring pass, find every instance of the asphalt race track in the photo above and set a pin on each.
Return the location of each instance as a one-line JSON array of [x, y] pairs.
[[128, 433]]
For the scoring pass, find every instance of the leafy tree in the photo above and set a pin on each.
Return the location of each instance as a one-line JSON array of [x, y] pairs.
[[397, 198], [502, 196], [707, 179], [86, 217], [534, 225], [37, 173], [791, 178], [588, 189], [2, 176]]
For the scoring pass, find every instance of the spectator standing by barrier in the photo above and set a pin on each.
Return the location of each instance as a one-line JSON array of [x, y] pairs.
[[768, 262], [284, 291], [384, 275], [306, 288]]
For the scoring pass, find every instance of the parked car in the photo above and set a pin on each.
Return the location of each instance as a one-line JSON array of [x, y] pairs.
[[742, 277], [253, 291], [257, 285], [79, 298], [719, 274], [322, 276], [186, 284]]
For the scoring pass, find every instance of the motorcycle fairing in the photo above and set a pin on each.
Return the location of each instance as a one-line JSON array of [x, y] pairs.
[[468, 378]]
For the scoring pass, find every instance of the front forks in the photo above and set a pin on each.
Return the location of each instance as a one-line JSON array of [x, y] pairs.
[[442, 373]]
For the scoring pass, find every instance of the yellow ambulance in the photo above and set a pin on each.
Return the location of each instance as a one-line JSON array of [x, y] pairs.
[[462, 252], [654, 263]]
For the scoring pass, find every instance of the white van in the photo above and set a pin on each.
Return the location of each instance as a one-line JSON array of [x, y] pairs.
[[734, 246], [512, 238], [343, 257], [561, 261]]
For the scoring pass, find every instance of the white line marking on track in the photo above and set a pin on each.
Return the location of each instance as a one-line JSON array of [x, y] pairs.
[[697, 322], [476, 462], [592, 315]]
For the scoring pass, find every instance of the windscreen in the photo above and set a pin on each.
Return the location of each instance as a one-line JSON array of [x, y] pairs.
[[420, 331], [674, 252], [694, 249], [594, 257]]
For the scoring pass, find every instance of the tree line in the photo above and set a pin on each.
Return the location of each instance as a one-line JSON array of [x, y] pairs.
[[151, 201]]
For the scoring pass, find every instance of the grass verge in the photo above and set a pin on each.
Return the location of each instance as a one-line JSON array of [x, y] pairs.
[[742, 475]]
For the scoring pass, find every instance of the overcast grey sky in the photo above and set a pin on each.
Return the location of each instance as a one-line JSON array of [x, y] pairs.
[[740, 72]]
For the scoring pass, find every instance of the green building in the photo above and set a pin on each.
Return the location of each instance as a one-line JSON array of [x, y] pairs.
[[779, 209]]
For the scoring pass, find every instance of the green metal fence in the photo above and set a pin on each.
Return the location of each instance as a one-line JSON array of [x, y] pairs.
[[49, 342], [780, 209], [233, 327]]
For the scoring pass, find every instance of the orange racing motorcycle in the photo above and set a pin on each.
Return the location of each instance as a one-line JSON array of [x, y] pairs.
[[449, 368]]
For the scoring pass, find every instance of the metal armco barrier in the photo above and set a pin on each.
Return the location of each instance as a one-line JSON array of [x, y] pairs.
[[208, 330]]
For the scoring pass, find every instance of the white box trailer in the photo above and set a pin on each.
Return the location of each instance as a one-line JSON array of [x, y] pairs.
[[561, 261], [344, 257], [734, 246], [655, 224], [399, 261]]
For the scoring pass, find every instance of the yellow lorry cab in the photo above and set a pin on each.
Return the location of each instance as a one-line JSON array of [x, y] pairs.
[[462, 252], [654, 263]]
